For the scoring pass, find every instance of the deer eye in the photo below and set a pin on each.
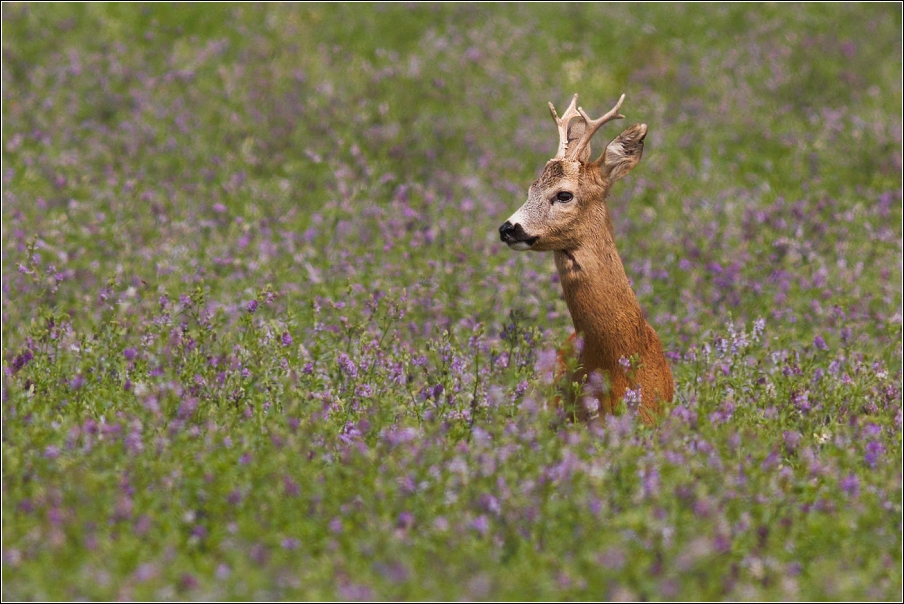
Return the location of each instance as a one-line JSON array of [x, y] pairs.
[[564, 197]]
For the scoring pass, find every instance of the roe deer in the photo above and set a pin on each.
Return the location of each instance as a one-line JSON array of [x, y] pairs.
[[566, 213]]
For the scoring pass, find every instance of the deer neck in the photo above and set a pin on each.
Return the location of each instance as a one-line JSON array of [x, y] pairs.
[[603, 307]]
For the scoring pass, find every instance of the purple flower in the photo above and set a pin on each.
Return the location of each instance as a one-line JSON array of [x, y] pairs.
[[348, 366], [187, 408], [590, 404], [625, 363], [259, 553], [437, 391], [850, 484], [490, 504], [845, 334], [791, 439], [633, 398], [723, 414], [874, 450], [481, 524], [352, 592], [722, 544], [772, 460], [291, 487], [286, 339], [820, 343], [872, 429], [400, 436], [801, 400], [546, 364], [234, 498], [21, 360], [188, 581], [335, 526], [145, 572], [26, 506], [405, 520], [252, 307], [133, 441], [685, 414], [651, 482], [612, 558], [130, 354], [441, 524]]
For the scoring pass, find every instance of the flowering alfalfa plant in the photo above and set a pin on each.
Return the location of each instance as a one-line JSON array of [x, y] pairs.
[[633, 394], [377, 424]]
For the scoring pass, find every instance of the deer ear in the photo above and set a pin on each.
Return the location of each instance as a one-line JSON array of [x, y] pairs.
[[623, 153]]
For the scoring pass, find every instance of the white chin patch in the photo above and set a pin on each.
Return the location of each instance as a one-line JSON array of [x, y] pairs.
[[519, 246]]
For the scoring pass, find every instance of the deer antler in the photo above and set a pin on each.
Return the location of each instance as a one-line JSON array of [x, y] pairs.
[[566, 151], [562, 124]]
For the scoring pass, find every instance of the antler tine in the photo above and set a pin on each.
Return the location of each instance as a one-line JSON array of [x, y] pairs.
[[591, 126], [562, 124]]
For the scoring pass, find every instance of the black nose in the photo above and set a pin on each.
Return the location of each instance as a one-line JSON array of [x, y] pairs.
[[506, 229]]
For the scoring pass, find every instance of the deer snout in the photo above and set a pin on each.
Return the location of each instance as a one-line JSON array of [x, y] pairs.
[[515, 237]]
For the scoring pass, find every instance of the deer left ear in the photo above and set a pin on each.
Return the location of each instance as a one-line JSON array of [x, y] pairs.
[[623, 153]]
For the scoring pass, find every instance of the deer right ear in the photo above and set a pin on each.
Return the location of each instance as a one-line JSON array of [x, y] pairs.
[[623, 153]]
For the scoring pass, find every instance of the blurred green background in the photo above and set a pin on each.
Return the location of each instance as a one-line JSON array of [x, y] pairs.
[[261, 340]]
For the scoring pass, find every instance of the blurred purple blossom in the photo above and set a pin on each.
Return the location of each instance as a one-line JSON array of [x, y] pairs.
[[335, 526], [405, 520], [290, 487], [625, 364], [633, 397], [850, 484], [481, 524], [874, 452], [21, 360], [347, 365], [290, 543]]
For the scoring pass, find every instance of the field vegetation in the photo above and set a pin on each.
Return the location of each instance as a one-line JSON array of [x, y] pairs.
[[261, 340]]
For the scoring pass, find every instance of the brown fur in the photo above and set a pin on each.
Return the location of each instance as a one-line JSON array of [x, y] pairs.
[[603, 307]]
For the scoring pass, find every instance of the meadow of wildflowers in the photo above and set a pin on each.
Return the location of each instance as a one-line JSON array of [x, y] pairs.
[[261, 341]]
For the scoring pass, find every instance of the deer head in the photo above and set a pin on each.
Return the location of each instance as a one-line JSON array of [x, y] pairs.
[[566, 204]]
